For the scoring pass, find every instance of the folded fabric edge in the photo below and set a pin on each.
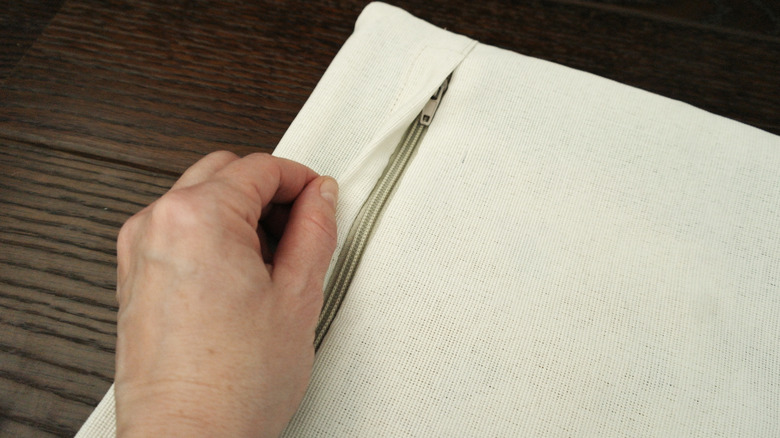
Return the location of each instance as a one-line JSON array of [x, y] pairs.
[[102, 421]]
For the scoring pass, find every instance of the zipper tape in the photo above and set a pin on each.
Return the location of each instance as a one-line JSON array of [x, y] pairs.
[[364, 224]]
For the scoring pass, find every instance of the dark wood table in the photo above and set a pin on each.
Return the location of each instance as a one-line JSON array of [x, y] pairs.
[[104, 103]]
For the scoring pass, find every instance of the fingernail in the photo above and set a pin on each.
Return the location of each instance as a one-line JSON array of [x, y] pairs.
[[329, 189]]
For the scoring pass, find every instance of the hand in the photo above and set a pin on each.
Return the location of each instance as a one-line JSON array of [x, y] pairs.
[[215, 327]]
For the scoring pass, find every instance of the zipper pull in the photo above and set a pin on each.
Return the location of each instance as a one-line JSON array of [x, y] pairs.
[[426, 116]]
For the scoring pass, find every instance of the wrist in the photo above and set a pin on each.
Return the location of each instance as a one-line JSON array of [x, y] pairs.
[[173, 410]]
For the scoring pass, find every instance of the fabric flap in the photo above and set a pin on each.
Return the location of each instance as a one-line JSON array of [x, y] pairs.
[[378, 82]]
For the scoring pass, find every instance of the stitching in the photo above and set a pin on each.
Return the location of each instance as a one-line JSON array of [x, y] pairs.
[[406, 77]]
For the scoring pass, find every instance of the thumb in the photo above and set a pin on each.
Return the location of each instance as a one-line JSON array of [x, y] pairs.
[[306, 247]]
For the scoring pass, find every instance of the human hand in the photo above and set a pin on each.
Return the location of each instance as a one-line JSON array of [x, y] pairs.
[[215, 330]]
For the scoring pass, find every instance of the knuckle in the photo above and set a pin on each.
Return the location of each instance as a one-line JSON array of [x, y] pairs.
[[260, 156], [263, 160], [177, 211], [127, 232], [216, 160], [222, 155]]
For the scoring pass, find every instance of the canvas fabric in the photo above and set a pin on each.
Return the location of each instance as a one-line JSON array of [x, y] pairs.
[[564, 255]]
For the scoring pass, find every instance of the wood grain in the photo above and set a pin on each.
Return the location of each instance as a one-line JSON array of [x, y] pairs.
[[21, 22], [58, 224], [755, 17], [160, 84]]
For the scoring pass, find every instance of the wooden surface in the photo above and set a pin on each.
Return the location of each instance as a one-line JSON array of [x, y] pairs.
[[103, 103]]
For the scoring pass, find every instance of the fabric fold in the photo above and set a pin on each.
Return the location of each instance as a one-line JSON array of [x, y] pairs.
[[376, 84]]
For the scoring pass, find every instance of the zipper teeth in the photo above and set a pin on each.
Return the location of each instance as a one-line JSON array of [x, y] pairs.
[[363, 225], [361, 231]]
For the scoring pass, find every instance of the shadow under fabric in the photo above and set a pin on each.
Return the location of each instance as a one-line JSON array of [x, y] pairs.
[[563, 254]]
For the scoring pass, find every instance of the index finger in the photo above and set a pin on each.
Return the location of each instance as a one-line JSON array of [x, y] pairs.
[[262, 179]]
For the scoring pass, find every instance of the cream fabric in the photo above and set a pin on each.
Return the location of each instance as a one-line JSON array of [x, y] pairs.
[[102, 422], [565, 255]]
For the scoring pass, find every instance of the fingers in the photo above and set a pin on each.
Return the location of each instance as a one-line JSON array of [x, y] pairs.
[[204, 169], [274, 220], [261, 179], [305, 249], [250, 185]]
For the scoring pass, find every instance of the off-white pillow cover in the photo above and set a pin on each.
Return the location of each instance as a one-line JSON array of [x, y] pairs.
[[564, 256]]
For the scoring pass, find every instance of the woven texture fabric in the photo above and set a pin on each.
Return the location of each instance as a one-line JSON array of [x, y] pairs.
[[102, 422], [564, 256]]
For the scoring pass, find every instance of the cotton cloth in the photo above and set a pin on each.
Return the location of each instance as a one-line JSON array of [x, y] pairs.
[[564, 255]]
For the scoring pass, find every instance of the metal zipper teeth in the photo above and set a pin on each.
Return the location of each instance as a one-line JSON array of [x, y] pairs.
[[364, 223]]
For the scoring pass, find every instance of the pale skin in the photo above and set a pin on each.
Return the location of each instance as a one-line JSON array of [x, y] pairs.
[[215, 329]]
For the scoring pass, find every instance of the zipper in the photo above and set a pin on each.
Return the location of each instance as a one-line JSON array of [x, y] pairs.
[[364, 223]]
